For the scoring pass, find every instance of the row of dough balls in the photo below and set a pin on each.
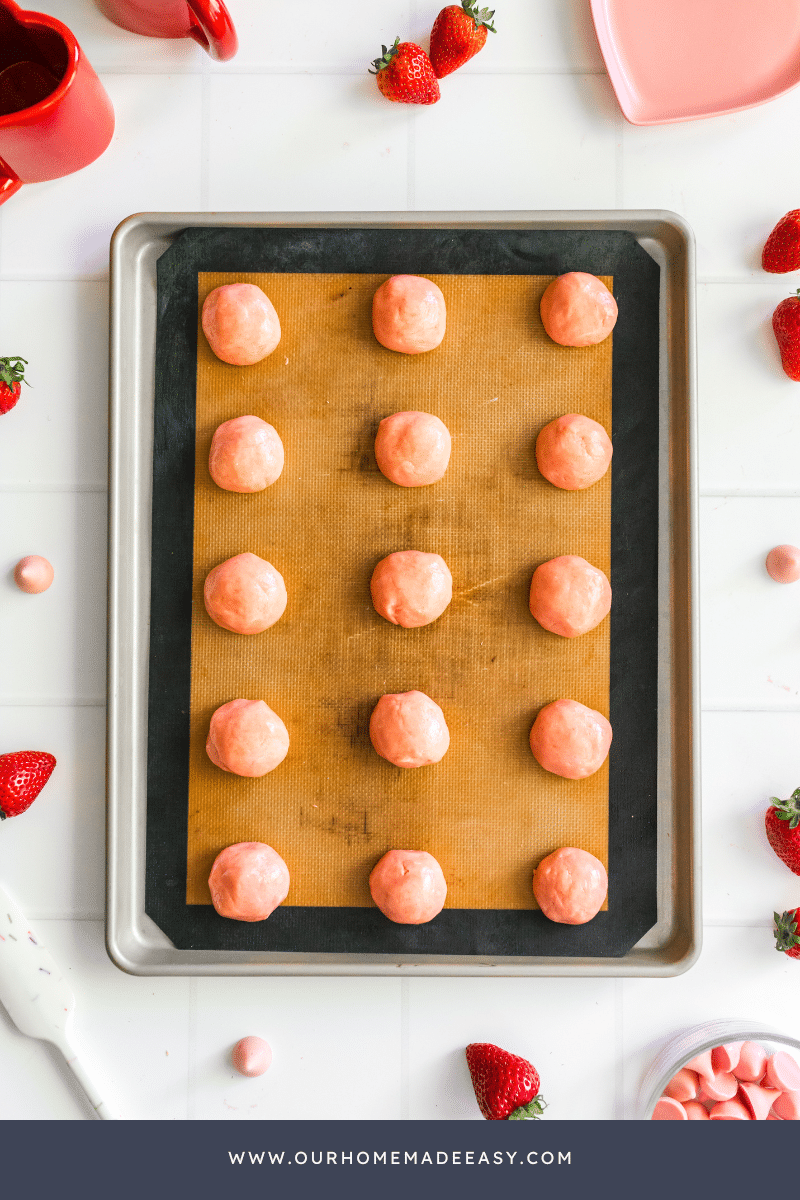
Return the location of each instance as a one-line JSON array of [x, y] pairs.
[[411, 588], [409, 315], [250, 879], [409, 730], [412, 449]]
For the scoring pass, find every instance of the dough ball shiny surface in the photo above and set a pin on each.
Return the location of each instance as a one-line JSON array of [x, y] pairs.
[[252, 1056], [570, 739], [245, 594], [570, 886], [783, 564], [248, 881], [578, 310], [569, 596], [409, 730], [33, 574], [573, 452], [246, 455], [411, 588], [247, 738], [409, 314], [240, 323], [408, 886], [413, 448]]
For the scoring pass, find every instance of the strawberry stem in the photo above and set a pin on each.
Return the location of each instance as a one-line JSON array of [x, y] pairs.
[[481, 16], [532, 1111], [380, 64], [788, 810], [786, 935], [11, 372]]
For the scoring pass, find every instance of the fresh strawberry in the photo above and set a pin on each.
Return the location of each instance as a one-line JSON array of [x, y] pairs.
[[506, 1086], [782, 249], [458, 33], [787, 936], [783, 829], [786, 324], [22, 777], [405, 74], [12, 376]]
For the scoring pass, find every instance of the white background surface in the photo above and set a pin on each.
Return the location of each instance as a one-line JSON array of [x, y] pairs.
[[294, 122]]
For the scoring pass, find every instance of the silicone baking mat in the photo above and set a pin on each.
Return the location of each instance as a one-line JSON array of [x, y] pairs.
[[487, 811]]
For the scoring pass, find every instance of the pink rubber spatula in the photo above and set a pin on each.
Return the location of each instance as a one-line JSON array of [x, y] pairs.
[[38, 998]]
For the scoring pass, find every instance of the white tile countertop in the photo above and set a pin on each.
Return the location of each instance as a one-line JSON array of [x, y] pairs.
[[295, 122]]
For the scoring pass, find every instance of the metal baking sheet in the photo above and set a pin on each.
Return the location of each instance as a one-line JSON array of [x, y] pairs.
[[135, 942]]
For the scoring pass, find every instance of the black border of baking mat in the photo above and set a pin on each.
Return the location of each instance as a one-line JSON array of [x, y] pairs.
[[632, 908]]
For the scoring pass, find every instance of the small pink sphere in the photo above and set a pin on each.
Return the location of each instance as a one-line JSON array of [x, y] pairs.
[[247, 738], [33, 574], [569, 596], [240, 323], [408, 729], [252, 1056], [783, 564], [413, 448], [245, 594], [411, 588], [408, 886], [246, 455]]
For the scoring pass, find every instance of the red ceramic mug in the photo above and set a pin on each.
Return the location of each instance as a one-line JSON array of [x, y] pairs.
[[207, 21], [55, 116]]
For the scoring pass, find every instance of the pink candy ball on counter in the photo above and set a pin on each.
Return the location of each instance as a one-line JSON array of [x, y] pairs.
[[33, 574], [251, 1056], [783, 564], [737, 1081]]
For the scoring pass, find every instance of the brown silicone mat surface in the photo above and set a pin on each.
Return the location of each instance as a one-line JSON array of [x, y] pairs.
[[488, 812]]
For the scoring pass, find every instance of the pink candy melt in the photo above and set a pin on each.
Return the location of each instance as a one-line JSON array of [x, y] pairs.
[[782, 1073], [721, 1086], [725, 1058], [751, 1064], [667, 1109], [729, 1110], [696, 1111], [787, 1106], [758, 1100], [683, 1086]]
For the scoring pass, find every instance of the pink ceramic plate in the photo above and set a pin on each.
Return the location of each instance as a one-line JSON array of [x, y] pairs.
[[677, 60]]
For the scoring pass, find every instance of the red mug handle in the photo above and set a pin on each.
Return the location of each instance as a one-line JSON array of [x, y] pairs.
[[212, 28], [9, 184]]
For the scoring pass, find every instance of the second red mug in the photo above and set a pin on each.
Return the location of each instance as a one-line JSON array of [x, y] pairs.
[[208, 22]]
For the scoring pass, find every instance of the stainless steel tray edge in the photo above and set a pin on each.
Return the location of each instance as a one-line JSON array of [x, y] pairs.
[[134, 942]]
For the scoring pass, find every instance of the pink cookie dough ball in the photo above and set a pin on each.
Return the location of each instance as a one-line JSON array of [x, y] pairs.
[[413, 448], [569, 596], [578, 310], [570, 886], [33, 574], [240, 323], [247, 738], [409, 314], [252, 1056], [248, 881], [783, 564], [246, 455], [408, 886], [570, 739], [245, 594], [411, 588], [573, 452], [409, 730]]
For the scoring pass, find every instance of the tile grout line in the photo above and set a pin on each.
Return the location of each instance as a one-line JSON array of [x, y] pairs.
[[191, 1047], [321, 68], [69, 489], [619, 1041], [52, 702], [205, 138], [405, 1081], [619, 162]]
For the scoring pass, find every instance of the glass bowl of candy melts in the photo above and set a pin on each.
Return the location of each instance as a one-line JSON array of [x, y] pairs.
[[724, 1071]]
